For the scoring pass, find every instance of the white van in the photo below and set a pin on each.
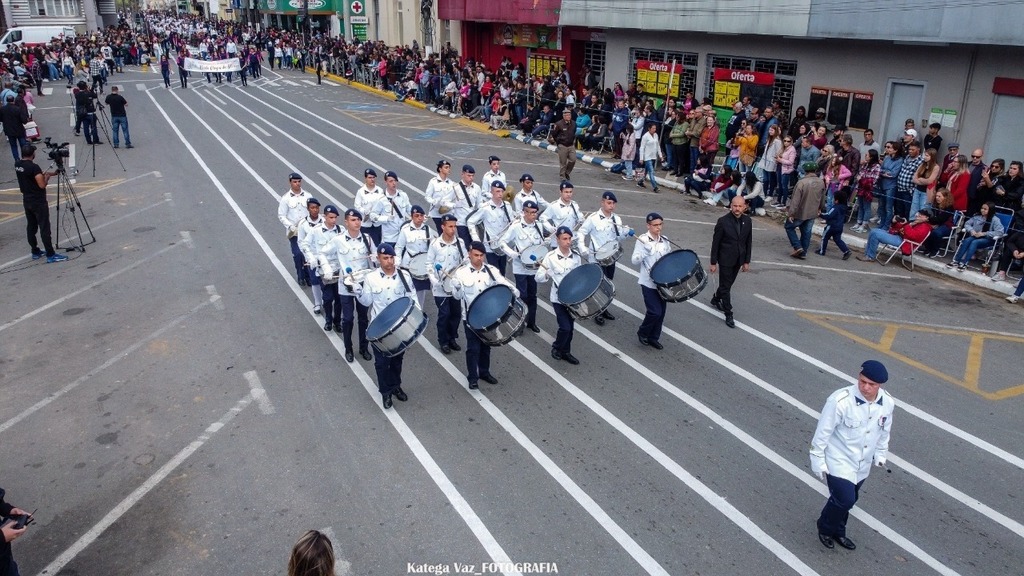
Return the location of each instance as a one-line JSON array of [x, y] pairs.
[[33, 35]]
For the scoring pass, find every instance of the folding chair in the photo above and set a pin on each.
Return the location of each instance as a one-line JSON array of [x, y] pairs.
[[899, 249], [1006, 218], [959, 218], [607, 144]]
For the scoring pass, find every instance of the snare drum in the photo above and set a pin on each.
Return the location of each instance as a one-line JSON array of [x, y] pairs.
[[354, 278], [496, 315], [533, 256], [397, 326], [419, 266], [608, 253], [586, 291], [679, 275]]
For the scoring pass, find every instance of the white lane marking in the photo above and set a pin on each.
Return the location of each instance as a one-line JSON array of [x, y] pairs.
[[139, 493], [902, 404], [215, 298], [47, 91], [334, 183], [458, 502], [330, 82], [260, 129], [140, 86], [692, 482], [85, 288], [291, 83], [71, 115], [778, 304], [756, 445], [310, 82], [110, 362], [827, 269], [342, 567], [186, 237], [307, 181], [259, 393], [589, 505], [214, 96]]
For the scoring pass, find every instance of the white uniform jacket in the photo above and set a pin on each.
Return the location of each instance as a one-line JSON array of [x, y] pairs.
[[305, 229], [468, 198], [364, 202], [313, 243], [519, 237], [470, 282], [559, 214], [599, 229], [439, 193], [852, 434], [378, 290], [390, 213], [646, 252], [489, 178], [413, 241], [554, 267], [349, 253], [521, 197], [291, 209], [495, 217], [449, 255]]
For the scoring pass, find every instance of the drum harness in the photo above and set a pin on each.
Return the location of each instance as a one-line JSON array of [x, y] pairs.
[[614, 224], [456, 267], [426, 234], [504, 208]]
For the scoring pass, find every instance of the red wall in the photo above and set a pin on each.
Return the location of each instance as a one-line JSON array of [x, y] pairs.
[[504, 11]]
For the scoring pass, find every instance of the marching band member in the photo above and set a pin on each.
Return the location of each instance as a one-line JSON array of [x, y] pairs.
[[519, 237], [562, 212], [313, 245], [468, 283], [554, 267], [448, 252], [378, 289], [528, 193], [468, 198], [391, 210], [496, 216], [440, 192], [649, 248], [490, 176], [291, 209], [366, 197], [354, 251], [311, 222], [602, 227], [414, 239]]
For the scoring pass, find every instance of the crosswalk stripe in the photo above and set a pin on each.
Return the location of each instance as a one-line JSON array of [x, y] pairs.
[[290, 83], [140, 86], [330, 83], [310, 82], [47, 91]]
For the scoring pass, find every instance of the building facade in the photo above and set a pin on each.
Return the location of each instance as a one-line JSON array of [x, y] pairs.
[[83, 15]]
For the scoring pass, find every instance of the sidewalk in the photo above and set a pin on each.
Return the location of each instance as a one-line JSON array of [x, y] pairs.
[[936, 266]]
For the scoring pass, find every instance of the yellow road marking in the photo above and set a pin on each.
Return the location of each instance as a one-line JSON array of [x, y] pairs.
[[81, 189], [972, 363]]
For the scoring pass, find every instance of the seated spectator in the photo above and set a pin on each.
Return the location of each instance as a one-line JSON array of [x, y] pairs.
[[544, 121], [723, 191], [941, 219], [753, 192], [900, 230], [595, 135], [700, 180], [980, 232], [1013, 251], [500, 116], [583, 121]]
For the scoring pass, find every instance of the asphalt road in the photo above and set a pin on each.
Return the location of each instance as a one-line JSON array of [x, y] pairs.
[[172, 406]]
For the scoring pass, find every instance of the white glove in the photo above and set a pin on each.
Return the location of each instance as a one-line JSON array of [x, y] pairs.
[[822, 474], [513, 254], [880, 462], [381, 217], [293, 229], [326, 271], [357, 289], [456, 284]]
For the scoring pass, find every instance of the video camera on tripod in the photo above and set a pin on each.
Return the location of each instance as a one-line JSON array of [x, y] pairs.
[[57, 152]]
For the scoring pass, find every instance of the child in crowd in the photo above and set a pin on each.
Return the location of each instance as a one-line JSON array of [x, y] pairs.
[[835, 218]]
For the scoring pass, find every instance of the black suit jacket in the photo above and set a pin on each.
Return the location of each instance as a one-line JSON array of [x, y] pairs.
[[731, 243]]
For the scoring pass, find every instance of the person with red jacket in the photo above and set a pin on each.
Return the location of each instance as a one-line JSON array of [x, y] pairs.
[[915, 231]]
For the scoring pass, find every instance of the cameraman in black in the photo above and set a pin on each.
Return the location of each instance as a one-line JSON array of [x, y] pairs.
[[85, 103], [8, 567], [32, 181]]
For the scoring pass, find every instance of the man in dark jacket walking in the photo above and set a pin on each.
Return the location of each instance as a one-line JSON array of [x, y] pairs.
[[14, 118], [730, 249]]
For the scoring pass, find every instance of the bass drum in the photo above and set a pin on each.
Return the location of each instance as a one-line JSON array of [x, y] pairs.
[[586, 291], [679, 275], [397, 326], [496, 315]]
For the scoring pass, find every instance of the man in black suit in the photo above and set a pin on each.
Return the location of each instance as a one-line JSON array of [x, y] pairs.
[[730, 247]]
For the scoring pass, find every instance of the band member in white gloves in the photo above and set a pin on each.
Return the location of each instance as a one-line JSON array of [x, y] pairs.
[[447, 253], [528, 193], [562, 212], [355, 252], [311, 222], [391, 210], [598, 232], [366, 198], [291, 209], [414, 239], [517, 238], [649, 248], [326, 266], [554, 267], [496, 216], [440, 192], [492, 175]]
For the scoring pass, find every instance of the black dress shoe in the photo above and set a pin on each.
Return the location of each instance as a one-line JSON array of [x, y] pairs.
[[845, 542], [655, 344], [826, 541], [474, 386], [401, 395], [535, 328], [607, 315], [717, 303], [489, 379], [570, 358], [327, 326], [366, 355], [349, 357], [730, 322], [599, 320], [337, 328], [643, 340], [556, 354], [387, 401], [446, 349], [454, 346]]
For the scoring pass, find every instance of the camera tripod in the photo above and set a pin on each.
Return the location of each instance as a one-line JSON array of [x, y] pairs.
[[102, 122], [69, 206]]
